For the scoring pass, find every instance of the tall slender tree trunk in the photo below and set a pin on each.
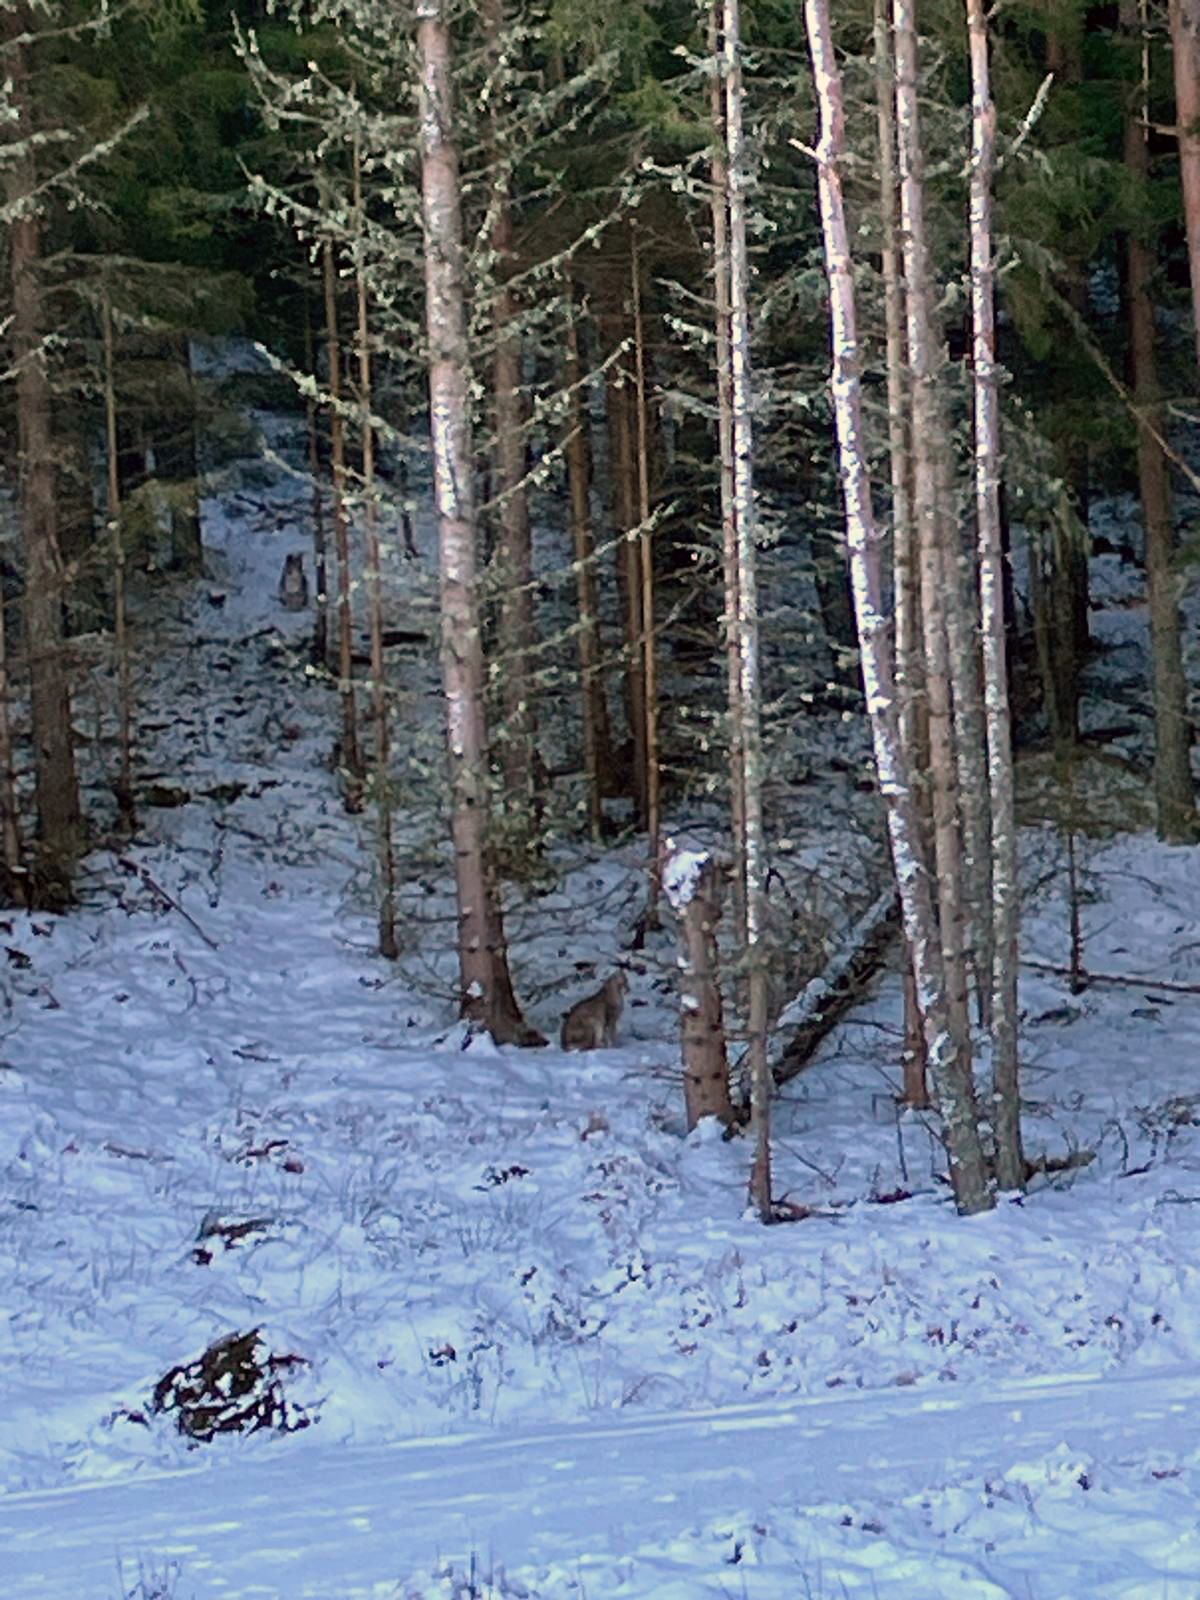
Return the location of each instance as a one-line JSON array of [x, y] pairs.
[[1005, 895], [351, 756], [622, 470], [749, 689], [949, 1067], [905, 588], [56, 784], [516, 745], [1174, 791], [597, 738], [645, 569], [729, 535], [381, 781], [123, 786], [1185, 51], [938, 573], [320, 638], [486, 986]]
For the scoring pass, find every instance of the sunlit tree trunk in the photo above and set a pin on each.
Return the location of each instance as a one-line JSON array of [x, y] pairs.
[[729, 537], [906, 595], [745, 517], [938, 574], [516, 744], [56, 784], [948, 1064], [1185, 50], [1174, 792], [486, 987], [1005, 896]]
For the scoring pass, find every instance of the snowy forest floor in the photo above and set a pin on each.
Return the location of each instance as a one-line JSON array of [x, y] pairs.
[[544, 1350]]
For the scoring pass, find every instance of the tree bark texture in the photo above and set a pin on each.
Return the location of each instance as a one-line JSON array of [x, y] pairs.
[[1185, 51], [1174, 791], [749, 687], [1005, 890], [645, 567], [729, 534], [701, 1024], [905, 587], [380, 699], [56, 784], [351, 756], [123, 786], [938, 575], [949, 1061], [597, 736], [486, 986], [513, 566], [622, 472]]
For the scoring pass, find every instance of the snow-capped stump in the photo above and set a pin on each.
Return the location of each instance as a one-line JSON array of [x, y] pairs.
[[236, 1386]]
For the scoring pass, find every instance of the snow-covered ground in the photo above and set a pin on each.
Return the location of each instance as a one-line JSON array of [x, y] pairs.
[[530, 1341]]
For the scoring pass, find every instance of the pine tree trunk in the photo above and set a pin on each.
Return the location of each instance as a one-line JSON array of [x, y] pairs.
[[702, 1028], [1174, 792], [949, 1064], [176, 459], [597, 736], [350, 756], [905, 589], [486, 987], [749, 692], [936, 560], [1185, 50], [123, 786], [320, 637], [1005, 888], [517, 741], [381, 780], [729, 536], [621, 471], [56, 785], [645, 568]]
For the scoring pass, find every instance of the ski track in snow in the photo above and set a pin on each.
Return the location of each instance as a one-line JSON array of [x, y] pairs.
[[572, 1502], [881, 1402]]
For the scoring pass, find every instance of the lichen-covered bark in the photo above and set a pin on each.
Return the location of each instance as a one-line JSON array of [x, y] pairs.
[[749, 688], [486, 987], [939, 580], [1005, 901], [949, 1070]]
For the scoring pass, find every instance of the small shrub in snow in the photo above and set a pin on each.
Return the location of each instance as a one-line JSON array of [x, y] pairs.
[[236, 1386]]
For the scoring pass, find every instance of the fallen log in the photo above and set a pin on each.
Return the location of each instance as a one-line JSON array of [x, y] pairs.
[[806, 1021]]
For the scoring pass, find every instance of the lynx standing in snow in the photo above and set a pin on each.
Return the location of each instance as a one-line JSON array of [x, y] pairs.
[[591, 1024], [293, 583]]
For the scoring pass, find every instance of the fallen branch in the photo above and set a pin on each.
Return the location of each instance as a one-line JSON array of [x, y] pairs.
[[137, 871], [1118, 979], [809, 1019]]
